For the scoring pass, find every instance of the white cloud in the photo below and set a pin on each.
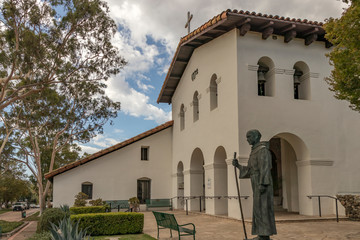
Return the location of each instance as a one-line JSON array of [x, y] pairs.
[[135, 103], [89, 149]]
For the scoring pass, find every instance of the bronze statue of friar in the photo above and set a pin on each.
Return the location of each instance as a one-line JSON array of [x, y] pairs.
[[259, 172]]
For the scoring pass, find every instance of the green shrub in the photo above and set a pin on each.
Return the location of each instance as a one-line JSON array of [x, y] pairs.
[[50, 215], [90, 209], [80, 199], [96, 202], [110, 223]]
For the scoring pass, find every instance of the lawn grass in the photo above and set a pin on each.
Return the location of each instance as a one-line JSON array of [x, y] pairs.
[[4, 210], [125, 237], [34, 217], [9, 226]]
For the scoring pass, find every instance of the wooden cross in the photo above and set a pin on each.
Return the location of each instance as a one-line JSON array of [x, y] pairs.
[[187, 25]]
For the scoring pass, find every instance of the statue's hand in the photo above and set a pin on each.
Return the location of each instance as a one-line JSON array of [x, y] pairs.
[[262, 188], [235, 163]]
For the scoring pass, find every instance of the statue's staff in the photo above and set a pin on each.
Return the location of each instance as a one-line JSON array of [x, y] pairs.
[[238, 192]]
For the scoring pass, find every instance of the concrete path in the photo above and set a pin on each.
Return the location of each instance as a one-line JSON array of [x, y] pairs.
[[25, 233], [219, 228]]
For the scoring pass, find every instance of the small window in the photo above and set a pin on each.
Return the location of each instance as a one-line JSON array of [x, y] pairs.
[[182, 117], [213, 92], [145, 153], [87, 188], [196, 106]]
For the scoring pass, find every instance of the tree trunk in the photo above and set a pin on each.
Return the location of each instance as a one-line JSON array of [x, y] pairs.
[[42, 201]]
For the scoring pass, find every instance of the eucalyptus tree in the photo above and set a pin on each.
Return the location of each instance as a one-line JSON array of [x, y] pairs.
[[51, 123], [54, 43], [344, 34]]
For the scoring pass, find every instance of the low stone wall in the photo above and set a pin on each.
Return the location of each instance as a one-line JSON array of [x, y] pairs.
[[351, 204]]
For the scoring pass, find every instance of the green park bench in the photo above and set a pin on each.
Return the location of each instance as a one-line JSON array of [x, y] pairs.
[[167, 220], [157, 203], [118, 204]]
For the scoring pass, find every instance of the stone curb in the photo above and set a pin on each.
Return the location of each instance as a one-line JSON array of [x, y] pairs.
[[9, 234]]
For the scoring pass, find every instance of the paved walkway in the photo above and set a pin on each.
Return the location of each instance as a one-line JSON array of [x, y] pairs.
[[219, 228], [25, 233]]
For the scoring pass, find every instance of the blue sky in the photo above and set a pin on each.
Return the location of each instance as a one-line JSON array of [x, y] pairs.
[[149, 31]]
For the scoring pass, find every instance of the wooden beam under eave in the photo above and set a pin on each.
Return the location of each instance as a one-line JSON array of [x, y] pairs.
[[290, 35], [244, 29], [182, 61], [242, 22], [310, 31], [266, 25], [175, 76], [287, 28], [168, 89], [267, 32], [310, 39]]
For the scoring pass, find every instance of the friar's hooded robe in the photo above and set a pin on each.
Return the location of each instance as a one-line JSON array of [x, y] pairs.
[[259, 171]]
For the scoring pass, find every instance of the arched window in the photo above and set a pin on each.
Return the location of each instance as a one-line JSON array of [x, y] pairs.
[[87, 188], [265, 77], [182, 117], [301, 80], [196, 106], [213, 92]]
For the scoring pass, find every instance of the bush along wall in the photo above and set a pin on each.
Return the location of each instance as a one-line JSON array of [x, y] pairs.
[[110, 223], [90, 209]]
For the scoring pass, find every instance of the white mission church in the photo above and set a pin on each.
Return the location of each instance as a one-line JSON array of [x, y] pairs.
[[238, 71]]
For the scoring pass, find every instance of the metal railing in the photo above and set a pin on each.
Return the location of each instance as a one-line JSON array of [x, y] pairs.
[[186, 198], [319, 201]]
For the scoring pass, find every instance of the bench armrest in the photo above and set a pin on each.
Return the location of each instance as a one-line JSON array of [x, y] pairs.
[[187, 225]]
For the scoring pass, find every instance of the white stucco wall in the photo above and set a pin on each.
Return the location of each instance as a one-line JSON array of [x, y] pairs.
[[319, 133], [114, 176], [215, 127]]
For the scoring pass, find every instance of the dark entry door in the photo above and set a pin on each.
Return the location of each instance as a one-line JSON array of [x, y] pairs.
[[143, 190]]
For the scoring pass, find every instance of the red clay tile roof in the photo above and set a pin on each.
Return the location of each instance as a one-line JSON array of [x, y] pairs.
[[222, 23], [103, 152]]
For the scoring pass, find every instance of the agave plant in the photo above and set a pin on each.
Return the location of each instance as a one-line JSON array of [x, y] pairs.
[[65, 208], [67, 230]]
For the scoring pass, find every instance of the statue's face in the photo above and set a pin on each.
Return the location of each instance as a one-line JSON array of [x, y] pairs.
[[252, 138]]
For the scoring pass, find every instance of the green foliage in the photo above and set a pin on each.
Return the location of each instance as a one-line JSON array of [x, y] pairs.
[[9, 226], [80, 199], [40, 236], [55, 57], [90, 209], [344, 34], [12, 188], [110, 223], [97, 202], [67, 230], [53, 42], [52, 215]]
